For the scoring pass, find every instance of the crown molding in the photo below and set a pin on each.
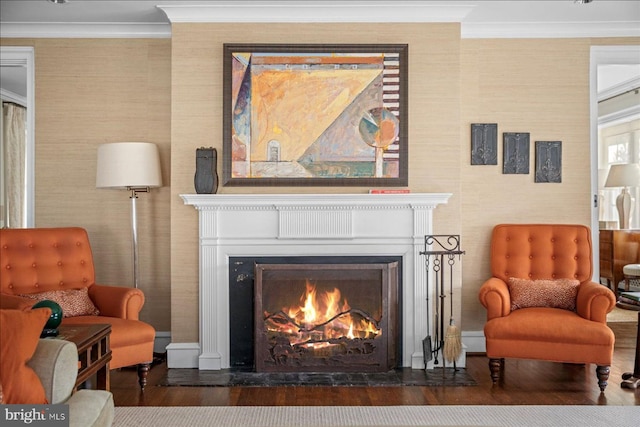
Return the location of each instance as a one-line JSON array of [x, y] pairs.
[[84, 30], [316, 11], [8, 96], [489, 30], [619, 89], [622, 116], [313, 11]]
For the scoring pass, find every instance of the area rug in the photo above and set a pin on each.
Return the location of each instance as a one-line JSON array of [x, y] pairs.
[[621, 315], [440, 377], [359, 416]]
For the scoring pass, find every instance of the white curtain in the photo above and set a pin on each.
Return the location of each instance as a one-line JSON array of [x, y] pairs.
[[14, 164]]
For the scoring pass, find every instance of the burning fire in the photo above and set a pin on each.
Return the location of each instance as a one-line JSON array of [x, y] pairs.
[[321, 317]]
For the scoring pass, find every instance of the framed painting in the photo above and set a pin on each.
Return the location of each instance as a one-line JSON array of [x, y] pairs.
[[319, 115]]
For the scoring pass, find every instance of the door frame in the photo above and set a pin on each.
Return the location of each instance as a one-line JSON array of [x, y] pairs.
[[602, 55]]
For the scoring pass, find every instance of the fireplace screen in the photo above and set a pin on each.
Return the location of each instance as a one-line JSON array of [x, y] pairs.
[[325, 317]]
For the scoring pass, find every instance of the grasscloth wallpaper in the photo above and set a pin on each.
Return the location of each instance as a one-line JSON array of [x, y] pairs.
[[169, 91], [94, 91]]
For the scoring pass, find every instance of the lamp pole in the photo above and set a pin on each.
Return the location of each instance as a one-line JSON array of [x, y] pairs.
[[134, 230]]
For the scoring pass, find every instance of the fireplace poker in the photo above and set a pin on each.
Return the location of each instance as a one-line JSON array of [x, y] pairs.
[[439, 287], [426, 342], [452, 339]]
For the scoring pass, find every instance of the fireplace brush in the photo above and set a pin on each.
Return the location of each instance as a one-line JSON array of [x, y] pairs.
[[450, 343], [453, 337]]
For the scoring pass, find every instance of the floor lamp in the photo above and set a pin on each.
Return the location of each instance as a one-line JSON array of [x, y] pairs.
[[134, 166], [625, 176]]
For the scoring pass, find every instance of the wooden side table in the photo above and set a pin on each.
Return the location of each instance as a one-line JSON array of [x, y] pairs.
[[94, 353], [617, 249], [632, 379]]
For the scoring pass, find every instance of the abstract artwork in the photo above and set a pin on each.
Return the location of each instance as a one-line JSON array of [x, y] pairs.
[[515, 153], [484, 144], [548, 161], [315, 115]]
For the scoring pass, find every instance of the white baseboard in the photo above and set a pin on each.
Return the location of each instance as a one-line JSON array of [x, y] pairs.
[[475, 342], [183, 355]]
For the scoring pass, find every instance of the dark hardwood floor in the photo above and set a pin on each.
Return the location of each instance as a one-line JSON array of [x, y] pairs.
[[524, 382]]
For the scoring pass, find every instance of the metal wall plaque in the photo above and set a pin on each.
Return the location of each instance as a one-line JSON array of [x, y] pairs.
[[484, 143], [205, 179], [548, 161], [515, 153]]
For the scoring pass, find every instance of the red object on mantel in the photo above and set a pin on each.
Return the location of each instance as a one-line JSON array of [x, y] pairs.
[[389, 191]]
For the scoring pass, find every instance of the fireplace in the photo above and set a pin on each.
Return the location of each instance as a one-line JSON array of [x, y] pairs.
[[309, 225], [325, 317], [242, 297]]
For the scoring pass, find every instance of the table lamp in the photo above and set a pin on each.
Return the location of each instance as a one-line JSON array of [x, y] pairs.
[[131, 166], [625, 176]]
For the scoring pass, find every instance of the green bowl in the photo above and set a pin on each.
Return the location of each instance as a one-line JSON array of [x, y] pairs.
[[51, 327]]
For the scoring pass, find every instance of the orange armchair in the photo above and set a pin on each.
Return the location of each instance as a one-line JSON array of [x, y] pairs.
[[35, 260], [540, 331]]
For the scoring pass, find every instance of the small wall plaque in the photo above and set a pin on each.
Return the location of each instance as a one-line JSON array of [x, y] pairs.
[[484, 143], [515, 153], [548, 161]]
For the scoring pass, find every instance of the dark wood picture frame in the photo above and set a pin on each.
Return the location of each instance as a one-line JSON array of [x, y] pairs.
[[315, 115]]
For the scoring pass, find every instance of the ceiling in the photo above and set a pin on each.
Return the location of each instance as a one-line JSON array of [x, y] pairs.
[[545, 17]]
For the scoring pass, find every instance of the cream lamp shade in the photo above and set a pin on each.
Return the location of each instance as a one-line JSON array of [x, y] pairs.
[[123, 165], [626, 175]]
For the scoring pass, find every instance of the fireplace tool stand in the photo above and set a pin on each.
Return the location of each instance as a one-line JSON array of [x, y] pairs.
[[438, 250]]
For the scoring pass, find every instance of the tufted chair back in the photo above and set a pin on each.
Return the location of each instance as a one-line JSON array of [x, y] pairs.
[[541, 251], [45, 259]]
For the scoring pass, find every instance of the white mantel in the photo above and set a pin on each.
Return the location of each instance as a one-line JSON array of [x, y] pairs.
[[312, 225]]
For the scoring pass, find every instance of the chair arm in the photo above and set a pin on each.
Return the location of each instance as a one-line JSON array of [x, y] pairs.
[[594, 301], [117, 301], [494, 296], [14, 302], [56, 364], [91, 408]]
